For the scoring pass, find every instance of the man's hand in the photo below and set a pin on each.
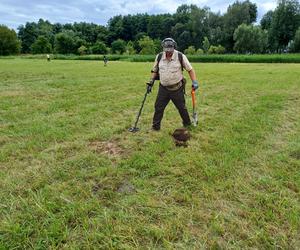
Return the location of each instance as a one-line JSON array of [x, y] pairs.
[[150, 85], [195, 85]]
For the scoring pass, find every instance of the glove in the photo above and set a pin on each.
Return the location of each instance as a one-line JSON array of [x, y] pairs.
[[195, 85], [150, 85]]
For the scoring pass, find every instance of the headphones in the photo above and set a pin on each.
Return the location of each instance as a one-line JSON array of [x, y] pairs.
[[169, 42]]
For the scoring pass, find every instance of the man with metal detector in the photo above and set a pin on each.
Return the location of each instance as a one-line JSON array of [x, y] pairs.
[[168, 68]]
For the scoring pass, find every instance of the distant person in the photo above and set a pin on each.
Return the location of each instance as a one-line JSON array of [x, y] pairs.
[[105, 60], [169, 67], [48, 58]]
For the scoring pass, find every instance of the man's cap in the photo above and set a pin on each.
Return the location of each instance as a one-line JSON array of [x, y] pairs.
[[168, 44]]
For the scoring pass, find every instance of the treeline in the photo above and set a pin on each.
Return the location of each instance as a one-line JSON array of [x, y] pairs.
[[196, 30]]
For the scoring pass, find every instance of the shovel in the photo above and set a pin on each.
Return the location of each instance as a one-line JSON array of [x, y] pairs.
[[195, 115]]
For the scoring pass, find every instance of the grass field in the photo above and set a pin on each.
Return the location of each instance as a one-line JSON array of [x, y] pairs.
[[205, 58], [72, 177]]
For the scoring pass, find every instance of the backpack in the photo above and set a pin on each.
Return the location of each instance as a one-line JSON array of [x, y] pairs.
[[180, 57]]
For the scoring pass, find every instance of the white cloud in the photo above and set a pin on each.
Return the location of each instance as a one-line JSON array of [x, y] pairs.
[[16, 12]]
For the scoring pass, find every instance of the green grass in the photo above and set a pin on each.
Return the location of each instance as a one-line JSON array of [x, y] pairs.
[[263, 58], [72, 177]]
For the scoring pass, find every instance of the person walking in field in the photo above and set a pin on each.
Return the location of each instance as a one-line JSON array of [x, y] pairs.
[[168, 68], [48, 57], [105, 60]]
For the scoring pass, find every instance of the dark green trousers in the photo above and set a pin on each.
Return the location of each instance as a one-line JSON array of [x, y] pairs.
[[162, 100]]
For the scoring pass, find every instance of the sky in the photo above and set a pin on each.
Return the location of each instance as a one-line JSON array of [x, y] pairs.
[[17, 12]]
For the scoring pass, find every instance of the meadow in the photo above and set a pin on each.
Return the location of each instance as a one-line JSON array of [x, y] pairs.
[[73, 177], [204, 58]]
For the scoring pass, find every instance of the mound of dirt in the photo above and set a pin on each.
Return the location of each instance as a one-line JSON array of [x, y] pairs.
[[295, 154], [111, 148], [181, 137]]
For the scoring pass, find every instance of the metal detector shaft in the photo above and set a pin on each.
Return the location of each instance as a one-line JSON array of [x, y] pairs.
[[135, 128], [140, 111]]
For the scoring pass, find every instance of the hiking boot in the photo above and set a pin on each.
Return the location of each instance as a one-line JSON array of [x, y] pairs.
[[155, 128]]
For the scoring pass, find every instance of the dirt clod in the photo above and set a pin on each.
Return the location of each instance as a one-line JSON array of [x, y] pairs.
[[295, 154], [181, 137]]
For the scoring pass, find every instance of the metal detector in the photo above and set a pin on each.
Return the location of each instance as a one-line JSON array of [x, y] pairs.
[[135, 128]]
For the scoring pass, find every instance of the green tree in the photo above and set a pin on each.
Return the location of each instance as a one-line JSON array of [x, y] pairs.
[[99, 48], [82, 50], [9, 43], [28, 34], [155, 26], [216, 49], [65, 43], [184, 40], [237, 14], [118, 46], [190, 50], [285, 22], [41, 46], [297, 41], [199, 52], [250, 39], [157, 44], [130, 49], [198, 25], [115, 28], [206, 44], [266, 20], [147, 45]]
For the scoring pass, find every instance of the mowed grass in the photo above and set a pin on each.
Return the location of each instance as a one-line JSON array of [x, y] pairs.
[[73, 177]]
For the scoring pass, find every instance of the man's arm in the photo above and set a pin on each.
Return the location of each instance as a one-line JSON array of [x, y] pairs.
[[192, 74], [154, 75], [193, 77]]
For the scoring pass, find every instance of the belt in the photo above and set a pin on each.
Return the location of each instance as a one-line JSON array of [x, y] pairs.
[[174, 87]]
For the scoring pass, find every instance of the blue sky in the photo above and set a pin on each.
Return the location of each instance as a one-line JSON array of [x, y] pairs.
[[16, 12]]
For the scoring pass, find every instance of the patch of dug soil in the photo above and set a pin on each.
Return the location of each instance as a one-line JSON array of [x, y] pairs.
[[126, 188], [295, 154], [181, 137], [110, 148]]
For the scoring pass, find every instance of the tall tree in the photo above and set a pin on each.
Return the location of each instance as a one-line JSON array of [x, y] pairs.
[[9, 43], [250, 39], [115, 28], [118, 46], [28, 34], [285, 21], [155, 26], [65, 43], [266, 20], [297, 41], [237, 14], [41, 46]]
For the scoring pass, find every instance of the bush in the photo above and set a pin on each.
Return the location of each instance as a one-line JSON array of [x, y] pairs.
[[82, 50], [147, 46], [199, 52], [190, 50], [216, 49], [206, 44], [130, 49], [65, 43], [118, 46], [99, 48]]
